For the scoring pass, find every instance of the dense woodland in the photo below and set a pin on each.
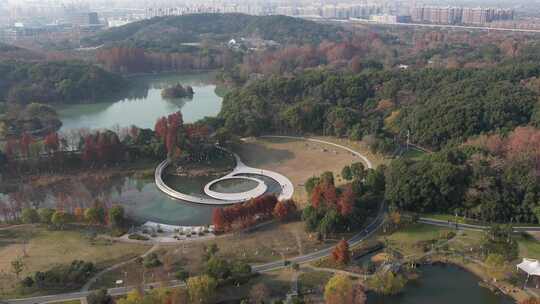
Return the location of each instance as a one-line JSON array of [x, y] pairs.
[[200, 41], [492, 178], [437, 106], [55, 82]]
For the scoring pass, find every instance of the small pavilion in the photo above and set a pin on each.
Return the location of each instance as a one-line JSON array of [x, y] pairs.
[[531, 267]]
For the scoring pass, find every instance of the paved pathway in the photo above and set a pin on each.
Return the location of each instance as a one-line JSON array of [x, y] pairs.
[[287, 188], [240, 170]]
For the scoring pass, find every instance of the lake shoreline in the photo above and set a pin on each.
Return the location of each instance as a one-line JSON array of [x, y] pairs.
[[514, 292]]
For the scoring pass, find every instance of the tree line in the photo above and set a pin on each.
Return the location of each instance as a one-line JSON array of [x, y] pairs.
[[244, 215]]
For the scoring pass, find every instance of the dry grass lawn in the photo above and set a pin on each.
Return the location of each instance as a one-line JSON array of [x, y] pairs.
[[273, 242], [45, 248], [300, 160]]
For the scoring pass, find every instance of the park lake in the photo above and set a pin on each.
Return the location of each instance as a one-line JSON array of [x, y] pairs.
[[141, 105]]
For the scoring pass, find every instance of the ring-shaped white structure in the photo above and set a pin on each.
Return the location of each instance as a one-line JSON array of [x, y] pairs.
[[287, 188], [259, 190]]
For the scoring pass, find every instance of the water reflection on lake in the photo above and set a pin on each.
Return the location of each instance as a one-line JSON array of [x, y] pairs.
[[139, 196], [142, 104]]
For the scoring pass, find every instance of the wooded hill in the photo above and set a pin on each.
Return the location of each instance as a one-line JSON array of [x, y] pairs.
[[167, 34]]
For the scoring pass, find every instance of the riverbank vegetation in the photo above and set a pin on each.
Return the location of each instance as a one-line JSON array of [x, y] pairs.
[[28, 154]]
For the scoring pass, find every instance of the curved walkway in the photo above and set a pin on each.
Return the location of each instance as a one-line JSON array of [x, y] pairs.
[[287, 188], [217, 198]]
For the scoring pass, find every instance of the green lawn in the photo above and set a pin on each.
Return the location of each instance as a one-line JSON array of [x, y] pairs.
[[528, 247], [462, 220], [406, 239], [417, 233]]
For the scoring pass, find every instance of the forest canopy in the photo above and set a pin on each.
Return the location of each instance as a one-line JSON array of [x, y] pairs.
[[55, 82], [437, 106]]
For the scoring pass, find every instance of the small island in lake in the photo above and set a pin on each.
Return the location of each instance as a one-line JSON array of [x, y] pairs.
[[177, 91]]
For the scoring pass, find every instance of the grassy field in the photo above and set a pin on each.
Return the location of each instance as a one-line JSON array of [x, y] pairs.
[[406, 239], [299, 159], [272, 242], [41, 249], [529, 247]]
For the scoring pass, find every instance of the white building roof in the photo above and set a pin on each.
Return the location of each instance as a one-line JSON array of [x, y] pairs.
[[530, 266]]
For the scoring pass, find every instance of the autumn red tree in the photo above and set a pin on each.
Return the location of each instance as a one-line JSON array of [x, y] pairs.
[[52, 142], [218, 220], [245, 214], [161, 128], [341, 253], [284, 210]]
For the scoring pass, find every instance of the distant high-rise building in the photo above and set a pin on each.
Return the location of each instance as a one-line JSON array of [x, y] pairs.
[[458, 15]]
